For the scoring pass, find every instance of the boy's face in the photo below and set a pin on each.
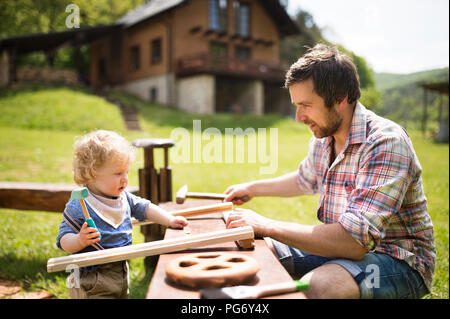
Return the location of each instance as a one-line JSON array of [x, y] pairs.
[[111, 179]]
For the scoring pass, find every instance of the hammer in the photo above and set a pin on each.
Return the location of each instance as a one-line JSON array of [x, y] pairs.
[[81, 193], [183, 193]]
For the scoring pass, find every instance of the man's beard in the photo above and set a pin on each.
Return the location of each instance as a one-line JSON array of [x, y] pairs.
[[334, 121]]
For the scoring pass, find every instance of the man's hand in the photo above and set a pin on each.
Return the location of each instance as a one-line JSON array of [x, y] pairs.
[[88, 236], [246, 217], [238, 191]]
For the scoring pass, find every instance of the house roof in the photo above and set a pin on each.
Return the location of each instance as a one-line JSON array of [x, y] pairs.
[[440, 87], [147, 10], [52, 40], [154, 7], [47, 41]]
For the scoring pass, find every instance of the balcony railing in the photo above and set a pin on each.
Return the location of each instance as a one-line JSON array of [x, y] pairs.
[[220, 65]]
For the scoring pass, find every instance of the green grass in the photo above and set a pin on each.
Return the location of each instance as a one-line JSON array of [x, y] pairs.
[[38, 148], [57, 108]]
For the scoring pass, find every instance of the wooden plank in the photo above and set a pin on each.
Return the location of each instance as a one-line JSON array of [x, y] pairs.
[[49, 197], [271, 270], [201, 210], [149, 249], [193, 211]]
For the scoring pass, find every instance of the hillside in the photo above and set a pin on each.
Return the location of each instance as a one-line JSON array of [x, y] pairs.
[[403, 99], [386, 81], [57, 108]]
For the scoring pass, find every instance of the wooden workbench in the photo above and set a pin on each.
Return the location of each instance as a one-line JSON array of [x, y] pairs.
[[271, 270]]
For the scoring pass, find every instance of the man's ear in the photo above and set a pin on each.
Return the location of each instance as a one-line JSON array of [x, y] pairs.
[[343, 104]]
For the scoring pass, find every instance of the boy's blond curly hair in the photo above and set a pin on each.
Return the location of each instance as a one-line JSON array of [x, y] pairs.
[[94, 149]]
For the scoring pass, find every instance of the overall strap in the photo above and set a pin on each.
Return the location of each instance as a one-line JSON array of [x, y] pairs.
[[76, 227]]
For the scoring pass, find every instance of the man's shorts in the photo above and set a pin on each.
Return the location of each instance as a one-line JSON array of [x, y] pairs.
[[379, 276]]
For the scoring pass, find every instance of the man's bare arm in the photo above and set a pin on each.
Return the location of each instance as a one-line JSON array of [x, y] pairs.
[[328, 240], [282, 186]]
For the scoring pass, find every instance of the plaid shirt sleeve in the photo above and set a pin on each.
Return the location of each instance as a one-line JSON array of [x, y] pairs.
[[306, 177], [380, 187]]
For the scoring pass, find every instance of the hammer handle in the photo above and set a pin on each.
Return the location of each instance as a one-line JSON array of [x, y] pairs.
[[88, 218], [213, 196], [85, 211], [205, 195]]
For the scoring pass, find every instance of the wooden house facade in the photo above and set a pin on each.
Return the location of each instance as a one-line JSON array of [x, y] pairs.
[[203, 56]]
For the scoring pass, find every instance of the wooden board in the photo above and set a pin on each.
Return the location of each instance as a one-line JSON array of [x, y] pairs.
[[47, 197], [271, 270], [149, 249], [205, 209]]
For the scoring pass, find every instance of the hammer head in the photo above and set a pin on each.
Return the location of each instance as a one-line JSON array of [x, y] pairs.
[[79, 193], [181, 194]]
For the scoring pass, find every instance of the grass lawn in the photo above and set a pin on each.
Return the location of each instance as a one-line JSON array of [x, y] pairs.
[[38, 126]]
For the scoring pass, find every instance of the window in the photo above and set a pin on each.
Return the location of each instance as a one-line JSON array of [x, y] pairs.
[[218, 49], [218, 15], [243, 53], [242, 18], [156, 51], [135, 58]]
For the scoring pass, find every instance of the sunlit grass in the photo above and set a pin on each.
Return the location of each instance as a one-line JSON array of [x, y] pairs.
[[43, 153]]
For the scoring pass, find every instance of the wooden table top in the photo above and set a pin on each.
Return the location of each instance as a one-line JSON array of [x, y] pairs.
[[271, 271]]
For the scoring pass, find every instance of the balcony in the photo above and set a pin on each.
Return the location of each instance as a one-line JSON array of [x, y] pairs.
[[219, 65]]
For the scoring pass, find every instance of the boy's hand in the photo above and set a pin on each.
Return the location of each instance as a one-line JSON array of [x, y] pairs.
[[178, 222], [88, 235]]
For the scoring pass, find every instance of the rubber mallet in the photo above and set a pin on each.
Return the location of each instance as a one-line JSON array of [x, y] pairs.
[[81, 193]]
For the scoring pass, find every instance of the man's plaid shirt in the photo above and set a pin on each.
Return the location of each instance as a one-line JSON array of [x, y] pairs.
[[374, 190]]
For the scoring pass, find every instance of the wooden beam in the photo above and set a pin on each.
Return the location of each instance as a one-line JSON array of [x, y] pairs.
[[201, 210], [149, 249], [193, 211], [39, 196]]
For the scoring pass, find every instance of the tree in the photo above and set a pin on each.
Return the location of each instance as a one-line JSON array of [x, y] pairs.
[[292, 48], [21, 17]]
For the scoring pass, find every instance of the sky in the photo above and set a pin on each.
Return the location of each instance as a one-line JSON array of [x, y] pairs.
[[394, 36]]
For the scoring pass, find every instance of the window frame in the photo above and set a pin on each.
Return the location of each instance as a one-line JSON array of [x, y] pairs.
[[237, 6], [153, 59], [220, 15], [218, 44], [243, 47], [135, 60]]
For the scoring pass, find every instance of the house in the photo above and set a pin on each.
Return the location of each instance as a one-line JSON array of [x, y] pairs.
[[203, 56]]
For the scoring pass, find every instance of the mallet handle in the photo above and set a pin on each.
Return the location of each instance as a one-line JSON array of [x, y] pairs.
[[205, 195], [85, 211], [88, 218]]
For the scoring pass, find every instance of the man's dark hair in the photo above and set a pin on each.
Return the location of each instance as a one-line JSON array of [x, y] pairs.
[[333, 74]]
